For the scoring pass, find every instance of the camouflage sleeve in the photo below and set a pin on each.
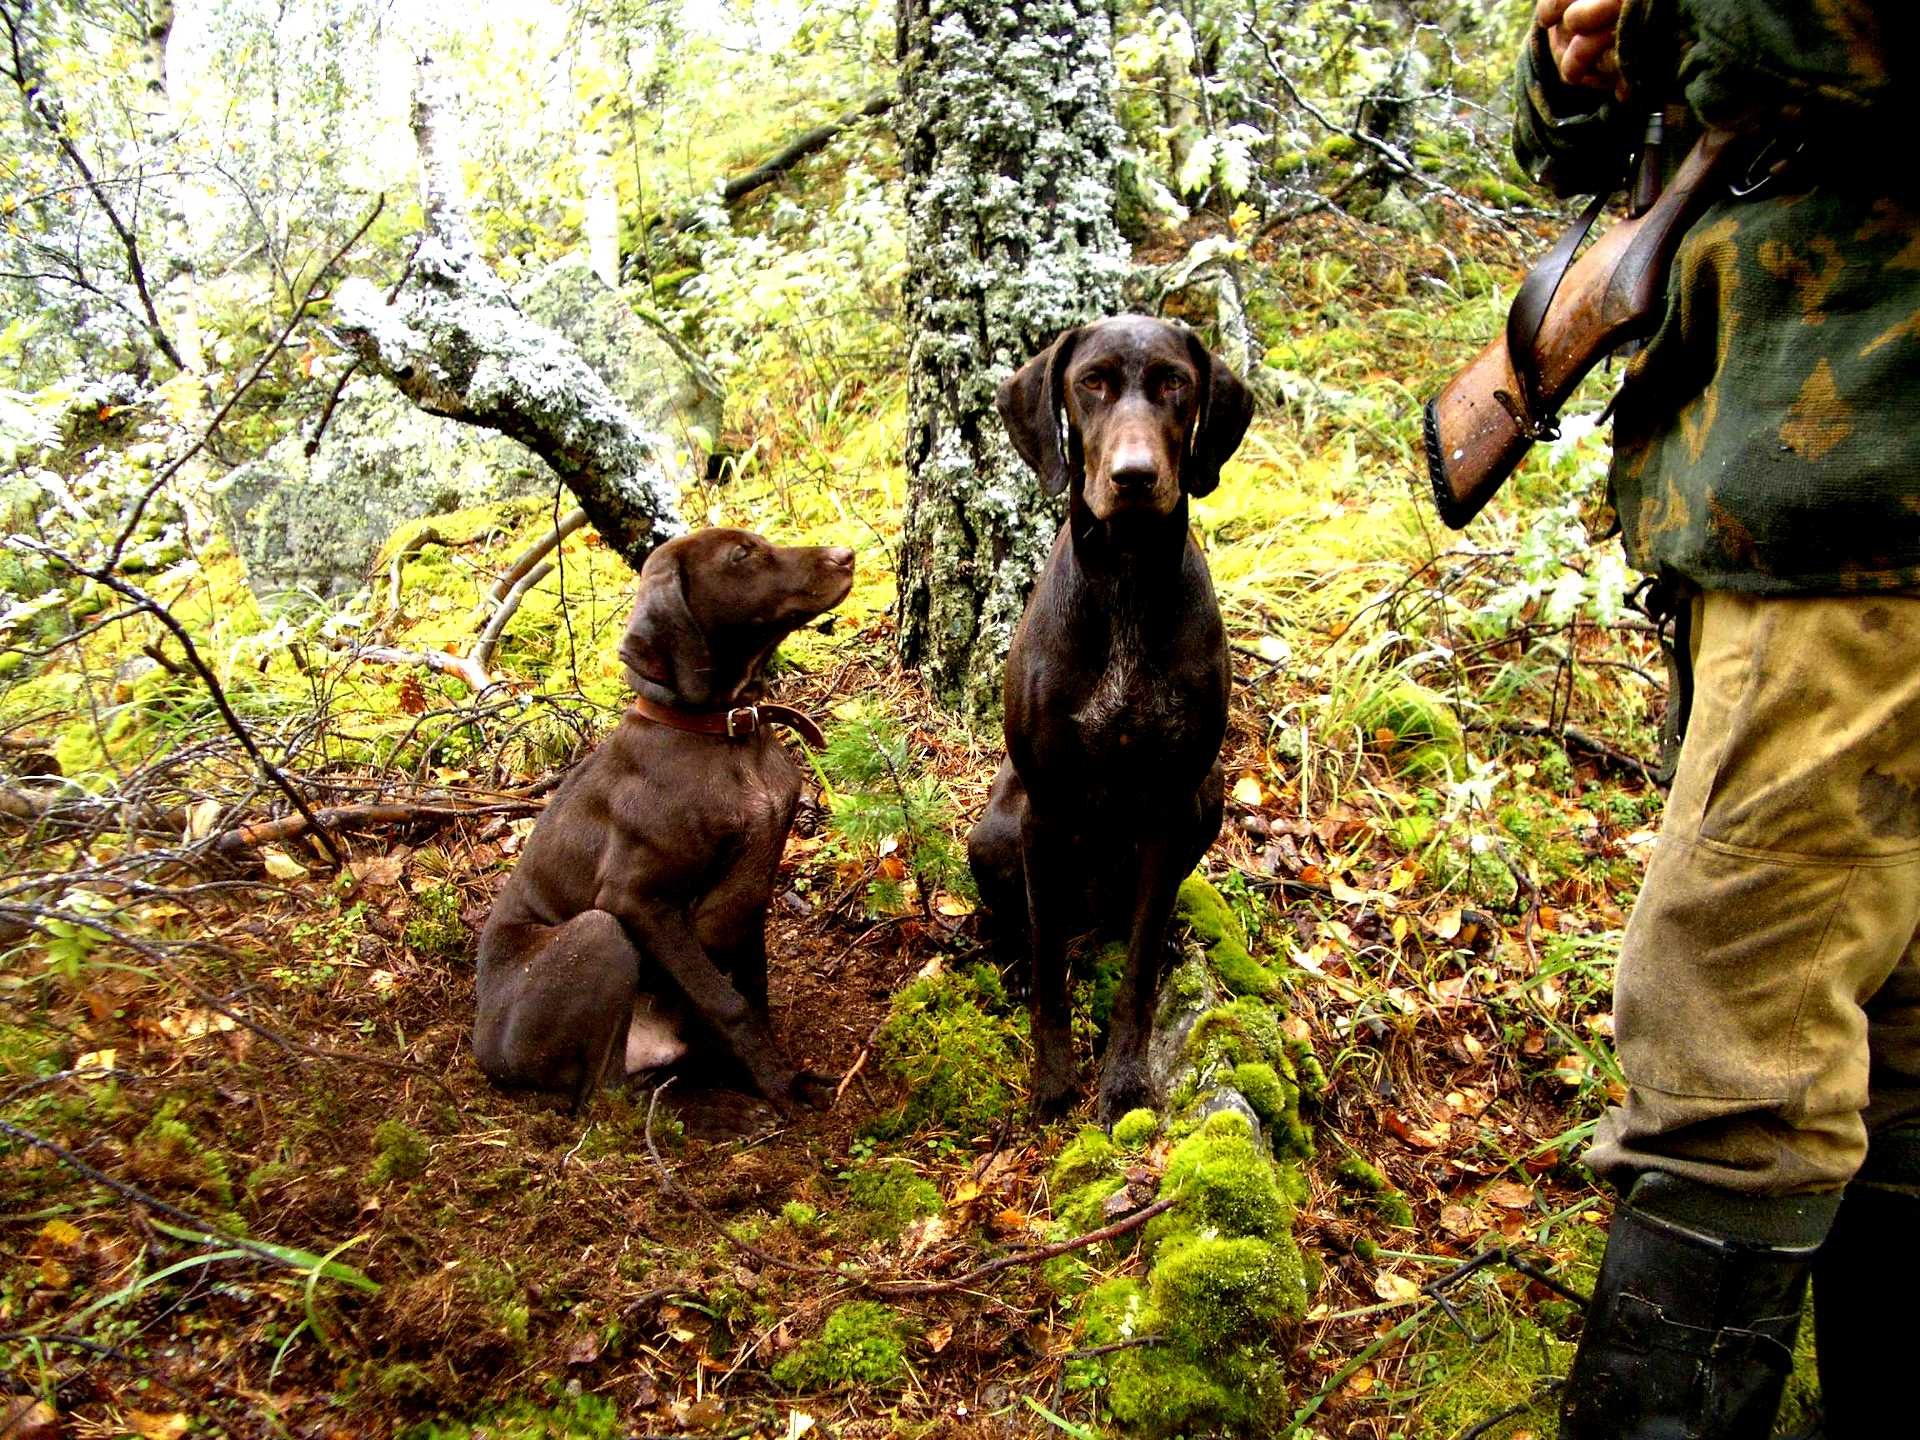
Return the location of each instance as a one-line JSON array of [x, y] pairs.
[[1573, 140], [1834, 60]]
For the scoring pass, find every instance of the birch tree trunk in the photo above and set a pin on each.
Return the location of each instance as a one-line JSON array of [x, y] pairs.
[[1006, 117]]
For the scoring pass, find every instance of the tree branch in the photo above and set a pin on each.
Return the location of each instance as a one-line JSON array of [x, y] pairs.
[[451, 339], [45, 107]]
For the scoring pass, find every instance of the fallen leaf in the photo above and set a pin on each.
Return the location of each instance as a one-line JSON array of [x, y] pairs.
[[1510, 1195], [939, 1337], [282, 866], [1448, 925], [1246, 791], [24, 1419], [1457, 1220], [951, 905], [202, 818], [584, 1349], [798, 1424], [378, 872], [104, 1059], [155, 1426], [61, 1232], [1389, 1286]]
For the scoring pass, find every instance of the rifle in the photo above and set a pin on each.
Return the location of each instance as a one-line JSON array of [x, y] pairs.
[[1568, 316]]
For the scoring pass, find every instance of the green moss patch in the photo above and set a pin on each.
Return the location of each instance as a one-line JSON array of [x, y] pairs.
[[399, 1153], [956, 1041], [1362, 1180], [1240, 1044], [862, 1343], [1205, 912], [890, 1196]]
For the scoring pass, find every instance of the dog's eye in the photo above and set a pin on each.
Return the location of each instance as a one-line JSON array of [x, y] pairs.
[[1095, 385], [741, 554]]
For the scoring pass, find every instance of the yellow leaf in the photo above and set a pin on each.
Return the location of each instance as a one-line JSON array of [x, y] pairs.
[[1400, 928], [155, 1426], [282, 866], [1448, 925], [61, 1232], [1345, 893], [107, 1059], [799, 1424], [1246, 791], [950, 905], [1389, 1286]]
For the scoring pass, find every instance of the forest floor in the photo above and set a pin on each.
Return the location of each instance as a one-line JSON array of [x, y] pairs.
[[1437, 864]]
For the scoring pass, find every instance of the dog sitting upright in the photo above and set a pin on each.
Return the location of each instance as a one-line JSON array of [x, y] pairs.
[[636, 918], [1116, 682]]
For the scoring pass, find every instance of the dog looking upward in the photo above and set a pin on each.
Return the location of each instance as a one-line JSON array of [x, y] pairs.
[[1116, 682], [635, 921]]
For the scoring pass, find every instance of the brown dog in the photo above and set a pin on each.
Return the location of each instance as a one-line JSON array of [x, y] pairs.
[[1116, 683], [639, 906]]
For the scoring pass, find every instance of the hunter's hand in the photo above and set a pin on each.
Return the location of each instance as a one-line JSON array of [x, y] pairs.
[[1580, 36]]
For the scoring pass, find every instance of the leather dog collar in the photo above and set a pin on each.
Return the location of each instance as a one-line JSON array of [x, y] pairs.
[[735, 723]]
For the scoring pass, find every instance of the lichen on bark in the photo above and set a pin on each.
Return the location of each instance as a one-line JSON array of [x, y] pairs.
[[1011, 150]]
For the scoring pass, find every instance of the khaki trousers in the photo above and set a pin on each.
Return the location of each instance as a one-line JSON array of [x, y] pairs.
[[1767, 1002]]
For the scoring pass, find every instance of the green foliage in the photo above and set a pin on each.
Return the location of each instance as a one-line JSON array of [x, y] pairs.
[[956, 1042], [862, 1343], [882, 804], [399, 1153], [575, 1417], [168, 1151]]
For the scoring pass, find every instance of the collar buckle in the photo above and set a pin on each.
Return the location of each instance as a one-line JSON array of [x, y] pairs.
[[737, 726]]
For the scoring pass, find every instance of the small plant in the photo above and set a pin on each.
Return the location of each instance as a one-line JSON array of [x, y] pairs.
[[891, 814], [434, 931], [862, 1343]]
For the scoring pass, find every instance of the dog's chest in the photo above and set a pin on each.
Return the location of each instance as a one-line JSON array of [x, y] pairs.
[[1132, 703]]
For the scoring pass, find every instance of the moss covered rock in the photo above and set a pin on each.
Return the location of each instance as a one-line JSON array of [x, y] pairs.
[[1224, 1288]]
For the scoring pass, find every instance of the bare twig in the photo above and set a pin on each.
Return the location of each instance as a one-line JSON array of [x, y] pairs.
[[1028, 1257], [363, 817], [473, 674]]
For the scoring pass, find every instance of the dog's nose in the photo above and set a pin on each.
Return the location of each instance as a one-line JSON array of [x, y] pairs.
[[840, 557], [1132, 467]]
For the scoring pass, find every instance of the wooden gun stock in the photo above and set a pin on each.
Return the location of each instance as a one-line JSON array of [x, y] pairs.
[[1568, 316]]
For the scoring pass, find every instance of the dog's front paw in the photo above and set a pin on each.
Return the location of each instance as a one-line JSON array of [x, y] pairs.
[[813, 1090]]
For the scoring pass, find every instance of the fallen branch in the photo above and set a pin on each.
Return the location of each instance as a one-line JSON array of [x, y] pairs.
[[1028, 1257], [205, 1233], [362, 817], [461, 667], [700, 1208], [1607, 759], [415, 544]]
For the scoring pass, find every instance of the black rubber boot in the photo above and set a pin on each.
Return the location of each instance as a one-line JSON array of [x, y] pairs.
[[1867, 1273], [1690, 1333]]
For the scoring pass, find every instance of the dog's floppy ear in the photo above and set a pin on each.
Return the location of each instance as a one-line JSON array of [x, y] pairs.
[[663, 642], [1226, 409], [1032, 405]]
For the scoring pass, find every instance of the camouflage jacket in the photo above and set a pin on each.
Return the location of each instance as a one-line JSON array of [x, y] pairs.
[[1767, 439]]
